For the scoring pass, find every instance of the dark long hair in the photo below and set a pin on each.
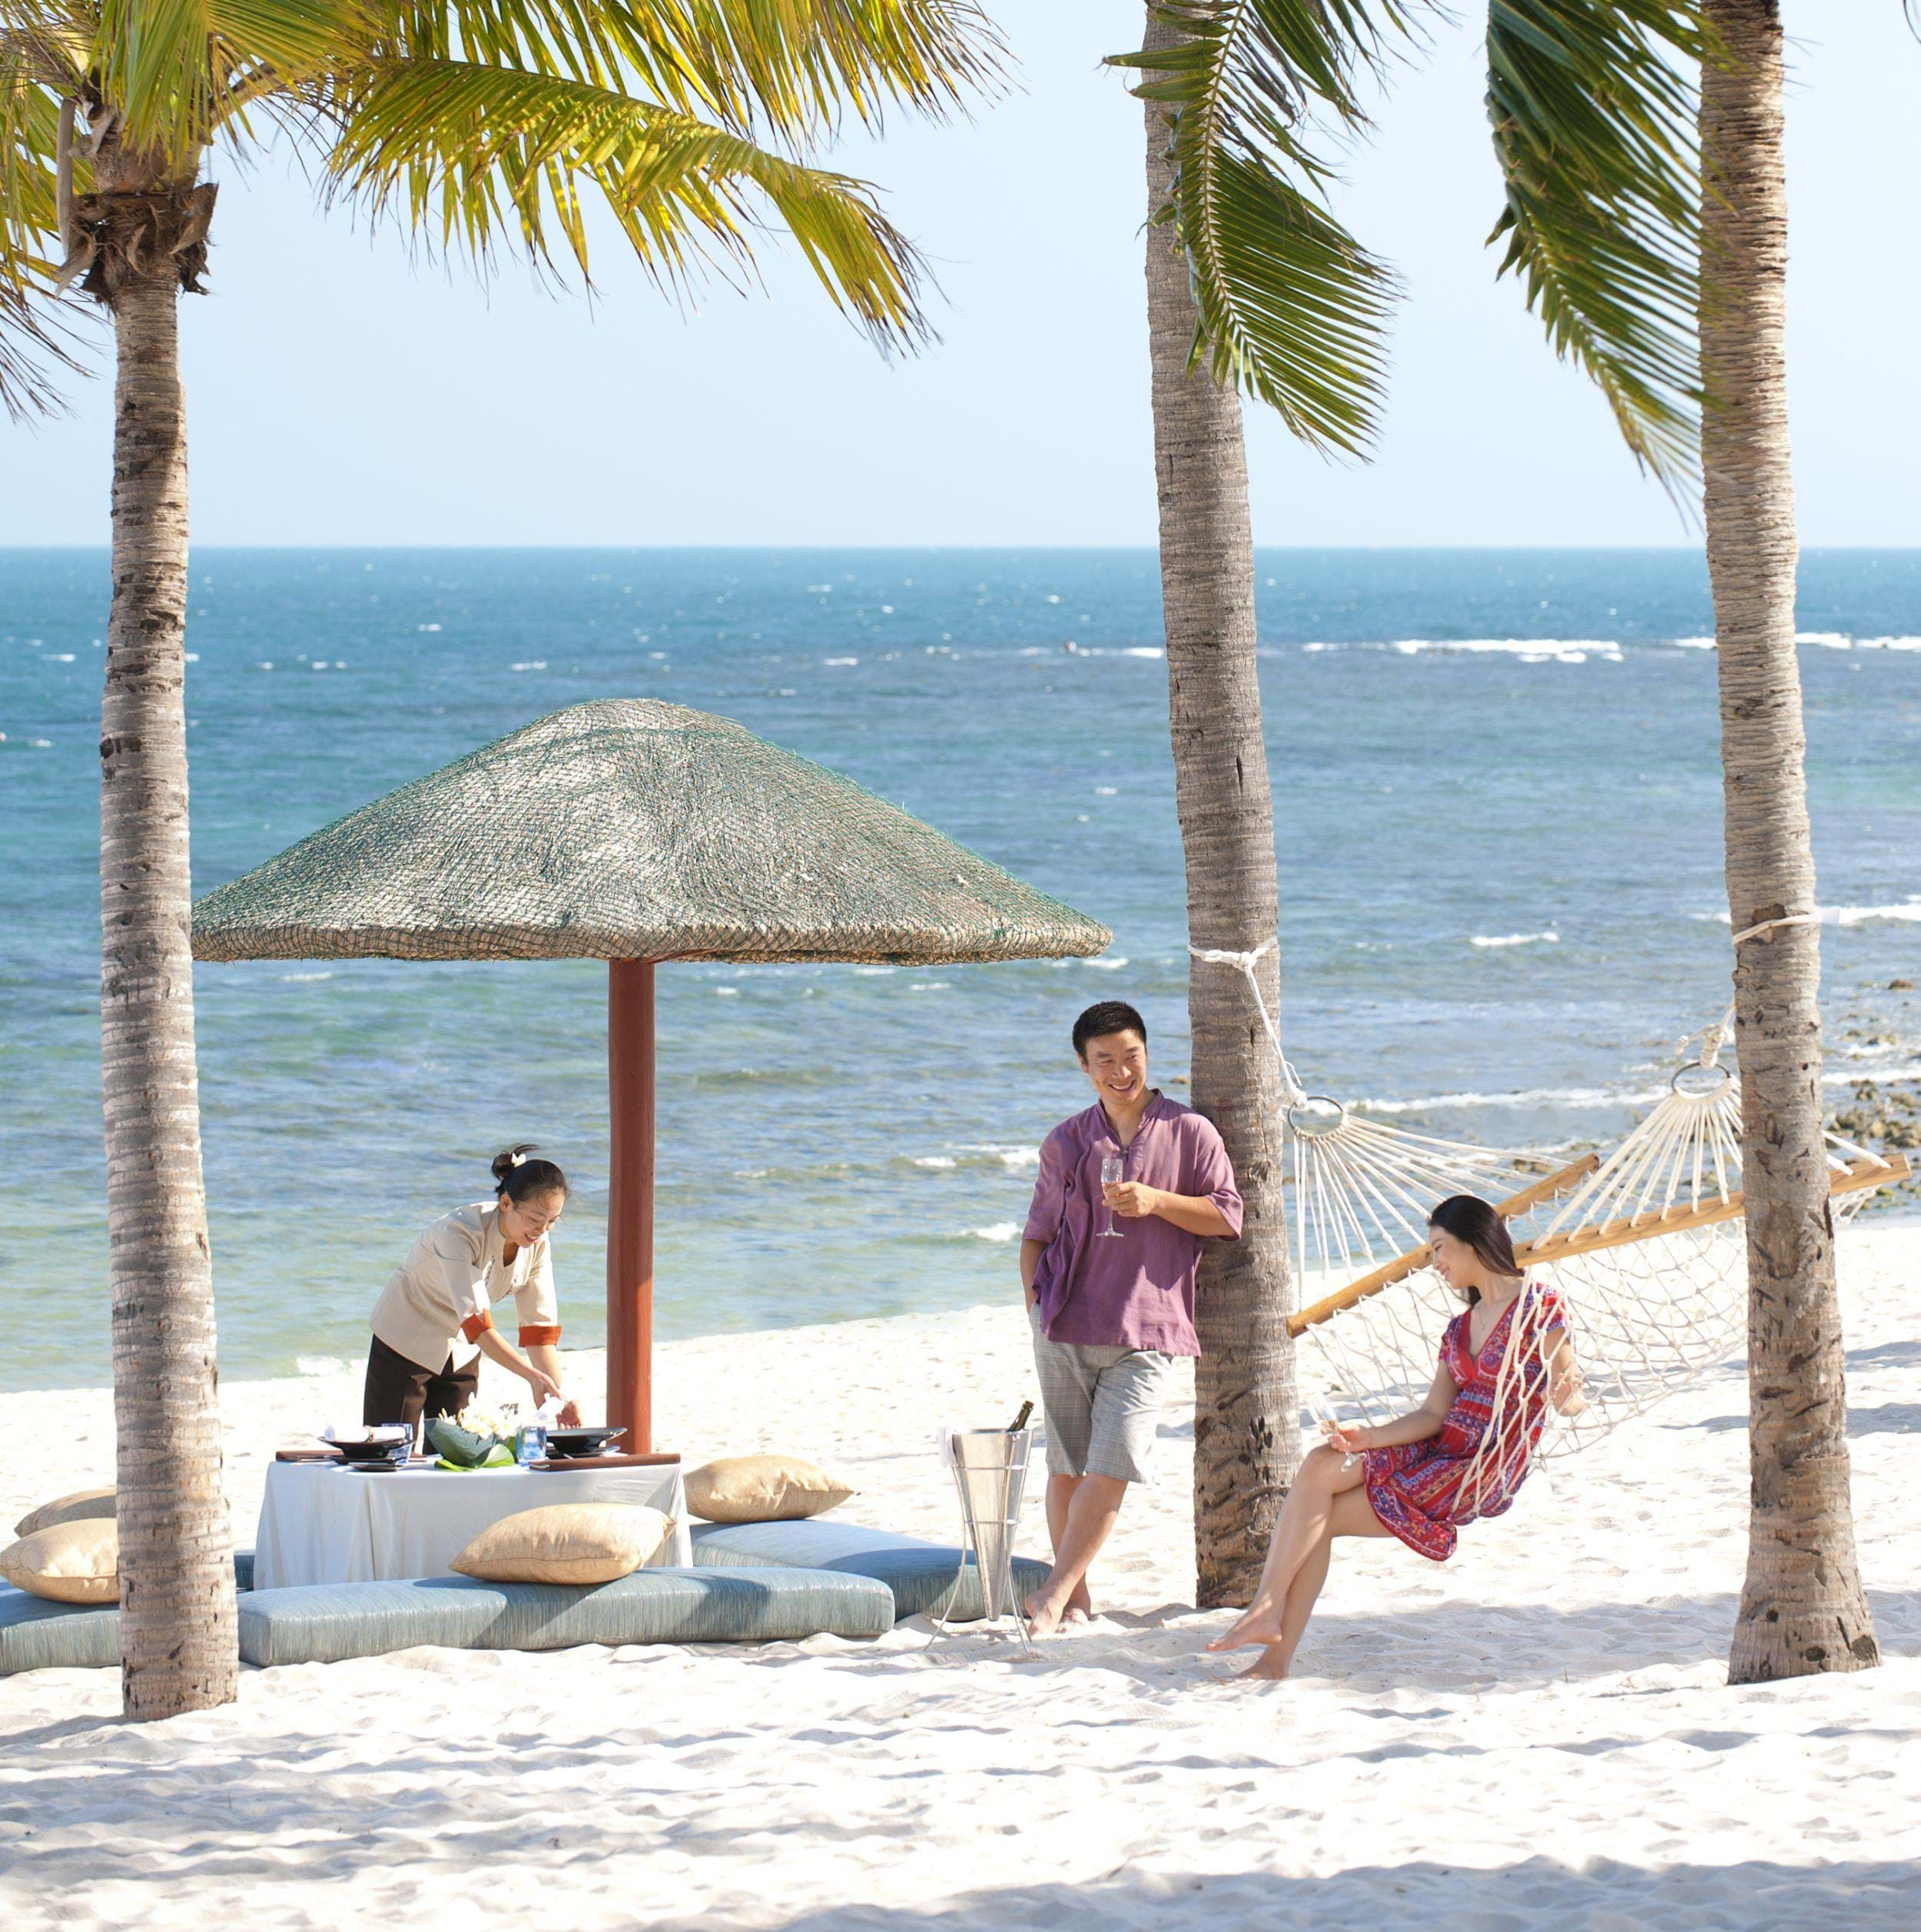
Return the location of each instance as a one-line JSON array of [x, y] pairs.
[[1478, 1224], [520, 1179]]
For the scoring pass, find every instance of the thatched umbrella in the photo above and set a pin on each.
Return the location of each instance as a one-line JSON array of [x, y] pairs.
[[633, 832]]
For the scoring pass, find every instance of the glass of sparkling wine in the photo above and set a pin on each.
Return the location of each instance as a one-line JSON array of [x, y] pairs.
[[1111, 1170], [1324, 1413]]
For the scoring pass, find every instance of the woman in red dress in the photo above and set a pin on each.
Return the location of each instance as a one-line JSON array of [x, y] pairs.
[[1420, 1477]]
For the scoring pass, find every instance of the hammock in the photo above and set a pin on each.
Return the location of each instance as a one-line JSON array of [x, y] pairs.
[[1641, 1270]]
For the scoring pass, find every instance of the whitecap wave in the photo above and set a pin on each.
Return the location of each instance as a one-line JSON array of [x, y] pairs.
[[318, 1365], [1589, 1097], [1908, 913], [1515, 939], [1527, 1097], [1560, 650], [995, 1231], [939, 1161], [1862, 916]]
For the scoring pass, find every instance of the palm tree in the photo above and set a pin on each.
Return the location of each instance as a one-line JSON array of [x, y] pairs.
[[1665, 278], [1246, 1436], [1251, 285], [1803, 1609], [482, 125]]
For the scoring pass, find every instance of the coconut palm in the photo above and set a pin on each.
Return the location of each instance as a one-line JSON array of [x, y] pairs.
[[1664, 272], [1677, 316], [1803, 1609], [480, 126], [1251, 285]]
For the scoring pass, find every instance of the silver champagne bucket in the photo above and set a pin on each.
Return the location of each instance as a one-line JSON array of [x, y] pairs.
[[990, 1470]]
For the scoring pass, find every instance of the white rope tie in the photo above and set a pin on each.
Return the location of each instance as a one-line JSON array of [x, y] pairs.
[[1773, 926], [1245, 964]]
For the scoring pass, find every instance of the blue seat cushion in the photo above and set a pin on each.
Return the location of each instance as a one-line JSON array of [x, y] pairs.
[[37, 1634], [922, 1575], [324, 1623]]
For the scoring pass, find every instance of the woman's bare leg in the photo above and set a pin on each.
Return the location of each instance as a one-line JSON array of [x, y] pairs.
[[1276, 1658], [1324, 1475], [1353, 1515]]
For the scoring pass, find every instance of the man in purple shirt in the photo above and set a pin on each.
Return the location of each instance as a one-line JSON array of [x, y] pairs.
[[1127, 1193]]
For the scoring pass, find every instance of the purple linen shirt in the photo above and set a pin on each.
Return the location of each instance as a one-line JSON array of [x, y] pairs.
[[1138, 1291]]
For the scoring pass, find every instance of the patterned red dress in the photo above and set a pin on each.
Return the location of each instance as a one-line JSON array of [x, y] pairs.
[[1423, 1492]]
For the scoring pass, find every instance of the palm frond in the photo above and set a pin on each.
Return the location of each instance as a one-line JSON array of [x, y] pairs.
[[178, 72], [786, 70], [1593, 107], [480, 156], [36, 338], [1292, 308]]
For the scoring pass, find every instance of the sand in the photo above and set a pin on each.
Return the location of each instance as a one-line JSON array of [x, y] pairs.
[[1535, 1735]]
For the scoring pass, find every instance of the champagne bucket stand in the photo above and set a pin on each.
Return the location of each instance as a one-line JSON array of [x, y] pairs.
[[990, 1470]]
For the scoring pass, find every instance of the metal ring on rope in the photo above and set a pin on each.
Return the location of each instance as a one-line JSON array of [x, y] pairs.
[[1316, 1100], [1720, 1085]]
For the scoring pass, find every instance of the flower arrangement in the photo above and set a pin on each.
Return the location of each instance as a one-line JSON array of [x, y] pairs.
[[477, 1438]]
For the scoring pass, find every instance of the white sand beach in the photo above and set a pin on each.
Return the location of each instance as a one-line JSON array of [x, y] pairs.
[[1536, 1735]]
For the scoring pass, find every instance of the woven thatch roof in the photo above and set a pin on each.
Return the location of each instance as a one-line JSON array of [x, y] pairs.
[[627, 829]]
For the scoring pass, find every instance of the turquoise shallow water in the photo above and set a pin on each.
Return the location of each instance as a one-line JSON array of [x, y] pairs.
[[1497, 808]]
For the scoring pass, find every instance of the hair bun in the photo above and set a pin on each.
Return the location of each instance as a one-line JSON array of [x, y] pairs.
[[509, 1158]]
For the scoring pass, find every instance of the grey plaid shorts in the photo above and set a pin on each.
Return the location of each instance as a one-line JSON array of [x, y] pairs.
[[1102, 1406]]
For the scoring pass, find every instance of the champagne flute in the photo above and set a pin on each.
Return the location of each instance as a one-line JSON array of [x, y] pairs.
[[1112, 1168], [1324, 1414]]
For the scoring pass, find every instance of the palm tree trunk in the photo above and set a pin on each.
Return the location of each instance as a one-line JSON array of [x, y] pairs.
[[1802, 1607], [177, 1622], [1246, 1428]]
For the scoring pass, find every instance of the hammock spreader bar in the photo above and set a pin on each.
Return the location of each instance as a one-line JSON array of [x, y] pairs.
[[1870, 1173], [1549, 1187], [1875, 1171]]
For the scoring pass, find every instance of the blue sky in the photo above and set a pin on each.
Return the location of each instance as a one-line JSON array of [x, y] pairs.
[[341, 393]]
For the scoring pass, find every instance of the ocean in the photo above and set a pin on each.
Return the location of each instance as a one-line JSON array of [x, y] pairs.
[[1497, 808]]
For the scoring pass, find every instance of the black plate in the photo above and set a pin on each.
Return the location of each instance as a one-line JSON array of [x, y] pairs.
[[580, 1441]]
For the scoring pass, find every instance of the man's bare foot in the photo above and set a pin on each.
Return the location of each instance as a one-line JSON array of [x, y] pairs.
[[1077, 1613], [1259, 1623], [1272, 1664]]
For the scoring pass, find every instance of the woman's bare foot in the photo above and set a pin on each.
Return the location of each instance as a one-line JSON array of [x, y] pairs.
[[1272, 1664], [1044, 1619], [1260, 1623]]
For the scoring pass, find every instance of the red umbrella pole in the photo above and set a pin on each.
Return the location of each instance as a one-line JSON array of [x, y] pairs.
[[630, 1201]]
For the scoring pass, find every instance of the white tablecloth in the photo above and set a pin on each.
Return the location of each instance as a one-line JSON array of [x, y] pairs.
[[322, 1524]]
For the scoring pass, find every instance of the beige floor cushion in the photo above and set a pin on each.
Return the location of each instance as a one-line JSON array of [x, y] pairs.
[[80, 1507], [76, 1562], [762, 1489], [566, 1542]]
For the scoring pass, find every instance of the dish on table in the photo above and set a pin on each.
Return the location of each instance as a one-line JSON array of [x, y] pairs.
[[567, 1443]]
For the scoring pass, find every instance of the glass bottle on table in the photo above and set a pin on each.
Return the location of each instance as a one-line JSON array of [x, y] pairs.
[[1112, 1168]]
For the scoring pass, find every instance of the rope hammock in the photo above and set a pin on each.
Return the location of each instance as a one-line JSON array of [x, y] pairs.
[[1635, 1265]]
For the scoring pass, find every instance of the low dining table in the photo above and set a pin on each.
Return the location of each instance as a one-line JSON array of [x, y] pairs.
[[321, 1522]]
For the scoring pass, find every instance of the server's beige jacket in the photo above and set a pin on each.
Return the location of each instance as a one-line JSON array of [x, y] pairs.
[[439, 1301]]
